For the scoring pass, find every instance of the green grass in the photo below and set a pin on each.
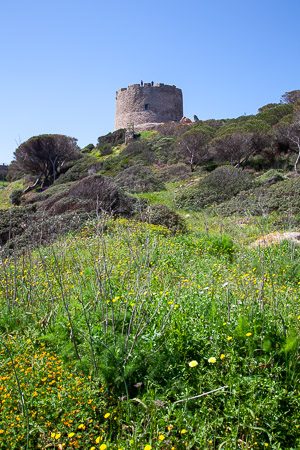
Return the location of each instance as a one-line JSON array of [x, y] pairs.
[[102, 326]]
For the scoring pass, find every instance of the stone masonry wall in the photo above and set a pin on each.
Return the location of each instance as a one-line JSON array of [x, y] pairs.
[[148, 104]]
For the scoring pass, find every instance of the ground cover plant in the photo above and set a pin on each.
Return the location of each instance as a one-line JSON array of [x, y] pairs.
[[108, 335]]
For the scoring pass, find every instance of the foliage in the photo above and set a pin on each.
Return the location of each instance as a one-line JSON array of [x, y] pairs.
[[290, 97], [268, 106], [216, 187], [45, 155], [235, 148], [275, 114], [16, 197], [272, 176], [79, 169], [102, 194], [243, 124], [283, 197], [193, 148], [139, 179], [88, 148], [172, 129], [173, 172], [160, 214], [106, 143]]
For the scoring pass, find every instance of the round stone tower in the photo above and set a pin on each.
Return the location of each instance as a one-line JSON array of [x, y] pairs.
[[148, 103]]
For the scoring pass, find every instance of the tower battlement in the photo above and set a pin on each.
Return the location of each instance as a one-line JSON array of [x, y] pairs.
[[148, 103]]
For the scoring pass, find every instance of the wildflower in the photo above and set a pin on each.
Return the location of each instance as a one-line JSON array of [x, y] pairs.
[[52, 435], [161, 437], [81, 427], [147, 447], [103, 447], [183, 431], [249, 334], [99, 438], [212, 360], [193, 364], [229, 338], [106, 415], [222, 356], [93, 448], [71, 435], [58, 435]]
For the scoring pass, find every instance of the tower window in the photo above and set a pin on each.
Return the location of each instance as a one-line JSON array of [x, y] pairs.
[[146, 106]]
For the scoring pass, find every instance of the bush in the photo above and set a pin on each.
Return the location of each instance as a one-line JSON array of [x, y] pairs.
[[218, 186], [16, 197], [139, 179], [283, 197], [174, 172], [79, 170], [160, 214], [102, 193], [272, 176]]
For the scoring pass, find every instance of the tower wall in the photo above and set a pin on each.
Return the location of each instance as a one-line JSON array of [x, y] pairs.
[[143, 104]]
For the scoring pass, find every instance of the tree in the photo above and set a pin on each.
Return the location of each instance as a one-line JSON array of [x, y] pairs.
[[45, 155], [287, 137], [235, 148], [290, 97], [293, 135], [194, 147]]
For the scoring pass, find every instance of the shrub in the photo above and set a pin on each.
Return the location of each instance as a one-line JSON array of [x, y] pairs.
[[160, 214], [79, 169], [174, 172], [102, 193], [218, 186], [272, 176], [283, 197], [16, 197], [139, 179]]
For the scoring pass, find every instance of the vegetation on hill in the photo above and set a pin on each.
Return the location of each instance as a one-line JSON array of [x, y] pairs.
[[135, 311]]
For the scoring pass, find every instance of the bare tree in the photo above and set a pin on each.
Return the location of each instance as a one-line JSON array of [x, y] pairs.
[[194, 147], [235, 148]]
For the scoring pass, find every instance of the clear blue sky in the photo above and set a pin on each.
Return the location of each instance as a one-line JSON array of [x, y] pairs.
[[63, 60]]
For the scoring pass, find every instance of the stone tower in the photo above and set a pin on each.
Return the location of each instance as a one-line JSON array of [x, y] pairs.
[[147, 103]]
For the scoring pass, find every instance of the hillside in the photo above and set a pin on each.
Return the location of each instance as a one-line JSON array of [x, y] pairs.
[[141, 305]]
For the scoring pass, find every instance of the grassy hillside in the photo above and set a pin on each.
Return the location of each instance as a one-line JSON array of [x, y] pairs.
[[135, 311]]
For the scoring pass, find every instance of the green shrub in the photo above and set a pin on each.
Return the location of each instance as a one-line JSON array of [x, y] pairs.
[[283, 197], [79, 170], [272, 176], [139, 179], [16, 197], [160, 214], [218, 186], [174, 172]]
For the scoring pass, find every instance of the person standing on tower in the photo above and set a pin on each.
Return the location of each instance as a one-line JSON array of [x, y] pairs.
[[142, 83]]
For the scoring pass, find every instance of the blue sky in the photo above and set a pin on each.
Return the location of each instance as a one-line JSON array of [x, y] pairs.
[[63, 60]]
